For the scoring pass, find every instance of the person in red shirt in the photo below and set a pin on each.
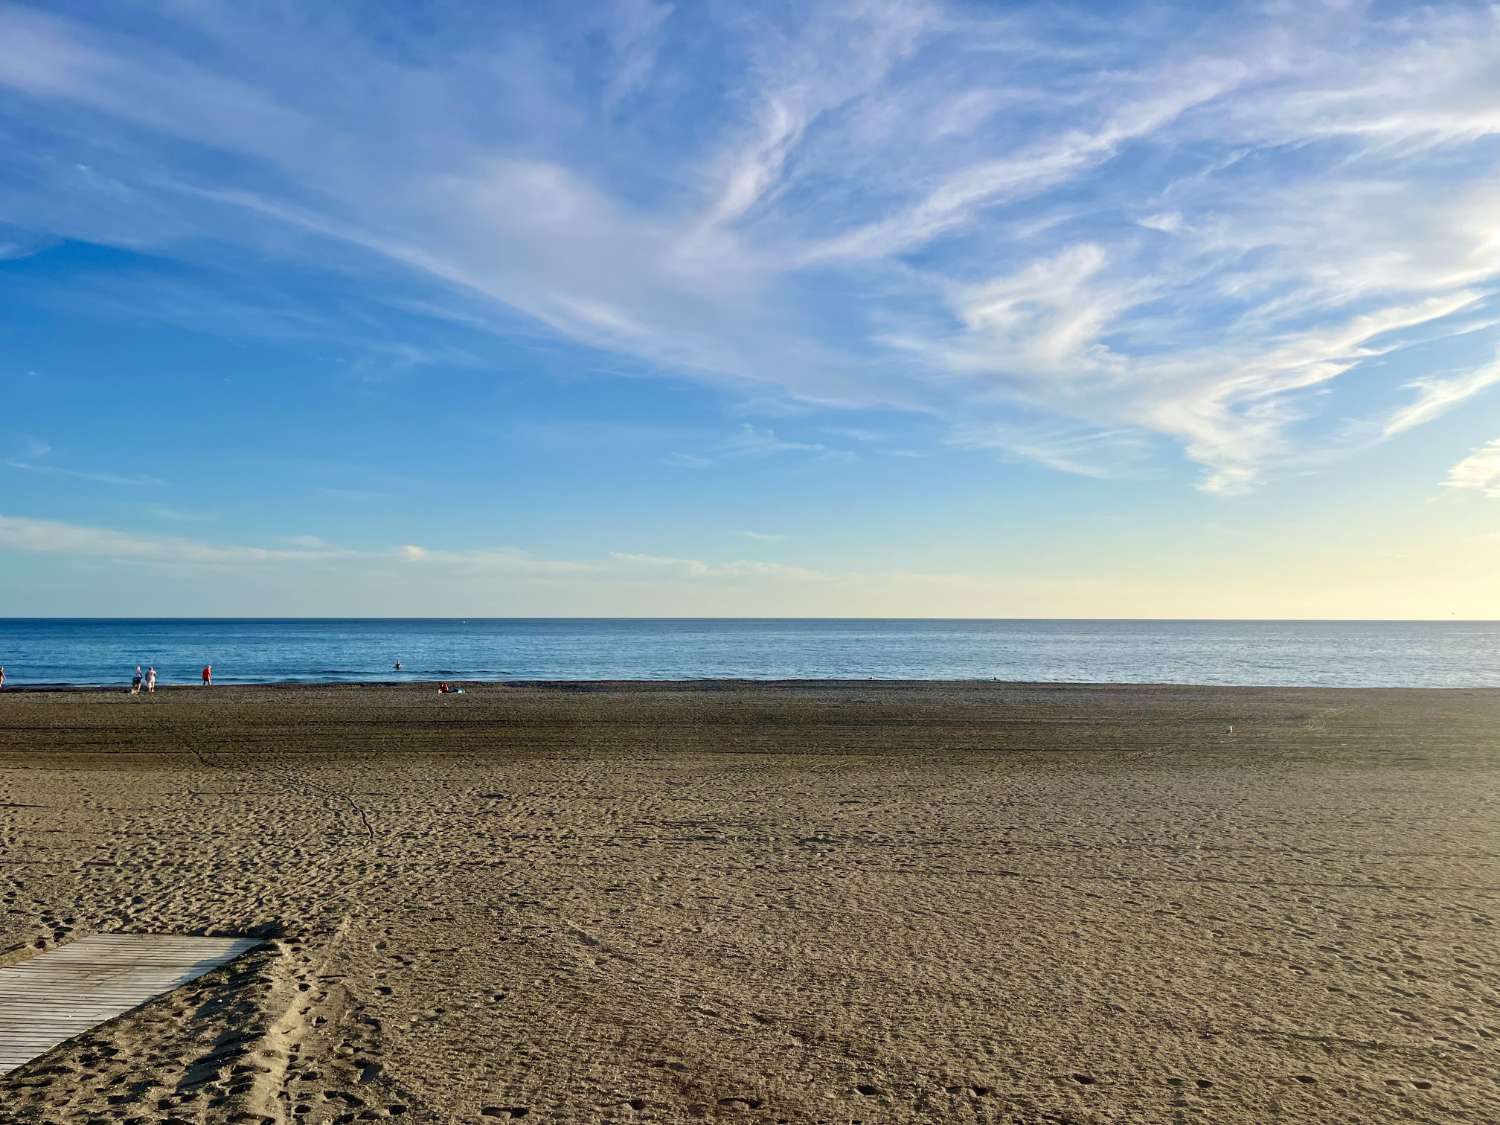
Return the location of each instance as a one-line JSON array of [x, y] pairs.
[[208, 675]]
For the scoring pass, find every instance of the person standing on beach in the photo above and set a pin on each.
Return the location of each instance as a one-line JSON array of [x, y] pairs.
[[208, 675], [135, 683], [151, 680], [2, 675]]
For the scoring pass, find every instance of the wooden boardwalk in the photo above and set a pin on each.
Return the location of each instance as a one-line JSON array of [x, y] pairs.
[[56, 995]]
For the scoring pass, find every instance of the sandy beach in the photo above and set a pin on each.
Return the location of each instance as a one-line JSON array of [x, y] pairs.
[[799, 903]]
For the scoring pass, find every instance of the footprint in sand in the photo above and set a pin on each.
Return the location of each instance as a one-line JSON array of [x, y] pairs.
[[740, 1102]]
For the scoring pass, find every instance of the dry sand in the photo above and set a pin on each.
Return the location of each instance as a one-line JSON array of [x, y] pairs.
[[770, 903]]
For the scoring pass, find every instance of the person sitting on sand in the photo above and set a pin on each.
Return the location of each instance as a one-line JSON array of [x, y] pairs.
[[135, 682], [208, 675], [151, 680]]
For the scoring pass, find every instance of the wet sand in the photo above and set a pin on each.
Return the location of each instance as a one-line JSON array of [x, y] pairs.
[[799, 903]]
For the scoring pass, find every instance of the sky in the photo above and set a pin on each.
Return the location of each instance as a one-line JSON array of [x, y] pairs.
[[726, 309]]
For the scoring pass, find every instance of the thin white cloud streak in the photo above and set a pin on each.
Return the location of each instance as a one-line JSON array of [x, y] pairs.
[[505, 560], [19, 533], [1436, 397], [1103, 454], [1479, 471], [172, 514], [17, 244], [36, 536], [55, 537], [1202, 307], [121, 479], [33, 459], [852, 433], [750, 442], [636, 40], [652, 565]]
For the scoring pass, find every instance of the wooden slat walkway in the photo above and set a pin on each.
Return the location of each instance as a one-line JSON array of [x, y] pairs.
[[56, 995]]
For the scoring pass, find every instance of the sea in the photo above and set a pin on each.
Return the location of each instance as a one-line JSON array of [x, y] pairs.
[[1271, 653]]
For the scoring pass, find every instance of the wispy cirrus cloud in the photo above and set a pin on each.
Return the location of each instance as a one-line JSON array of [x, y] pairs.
[[35, 458], [1086, 452], [125, 480], [1435, 397], [1135, 235], [750, 441], [753, 441], [636, 39]]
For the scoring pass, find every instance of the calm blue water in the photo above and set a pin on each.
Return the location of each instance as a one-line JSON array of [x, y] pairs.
[[1353, 654]]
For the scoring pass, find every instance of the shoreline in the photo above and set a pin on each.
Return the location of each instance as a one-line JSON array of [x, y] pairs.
[[726, 683]]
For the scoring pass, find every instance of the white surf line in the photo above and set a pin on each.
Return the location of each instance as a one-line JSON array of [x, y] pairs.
[[54, 996]]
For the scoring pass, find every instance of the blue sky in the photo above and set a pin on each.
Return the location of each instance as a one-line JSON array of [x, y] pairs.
[[848, 308]]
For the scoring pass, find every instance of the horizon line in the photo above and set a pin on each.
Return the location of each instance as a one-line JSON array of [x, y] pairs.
[[697, 617]]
